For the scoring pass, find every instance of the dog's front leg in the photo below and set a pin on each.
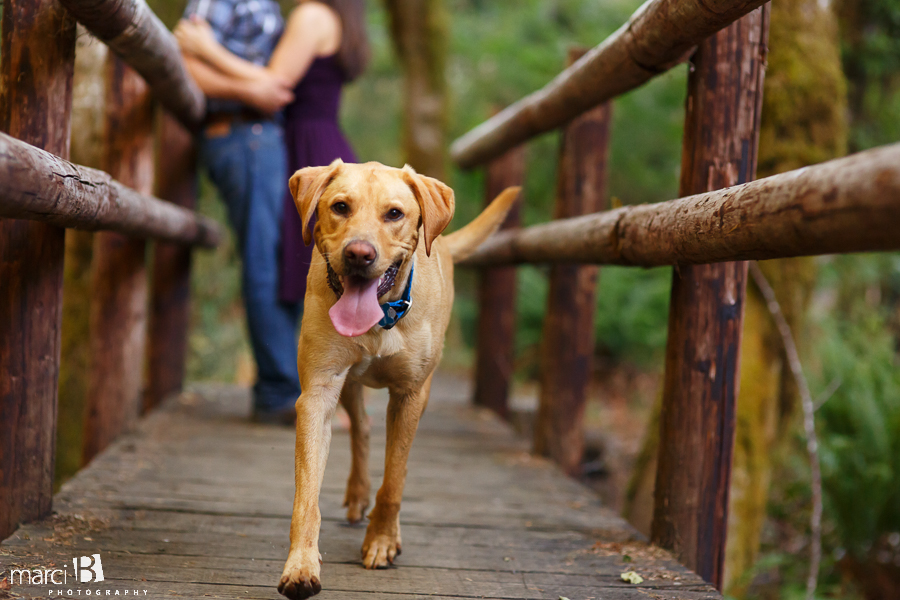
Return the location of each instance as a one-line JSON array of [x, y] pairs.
[[382, 543], [315, 408], [358, 486]]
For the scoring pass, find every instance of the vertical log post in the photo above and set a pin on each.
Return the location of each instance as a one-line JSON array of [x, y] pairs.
[[497, 299], [707, 306], [170, 294], [37, 59], [118, 319], [567, 344]]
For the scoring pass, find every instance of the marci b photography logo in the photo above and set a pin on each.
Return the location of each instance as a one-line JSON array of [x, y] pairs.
[[87, 570]]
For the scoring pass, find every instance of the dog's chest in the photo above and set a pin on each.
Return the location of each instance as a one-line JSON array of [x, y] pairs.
[[377, 349]]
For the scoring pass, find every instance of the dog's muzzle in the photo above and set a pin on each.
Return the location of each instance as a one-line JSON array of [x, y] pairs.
[[385, 285]]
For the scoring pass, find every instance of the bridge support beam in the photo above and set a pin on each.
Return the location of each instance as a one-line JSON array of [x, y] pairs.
[[170, 294], [567, 343], [37, 60], [707, 306], [495, 347], [118, 320]]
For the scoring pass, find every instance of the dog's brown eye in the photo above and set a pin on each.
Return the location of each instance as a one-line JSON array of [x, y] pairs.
[[394, 214], [340, 208]]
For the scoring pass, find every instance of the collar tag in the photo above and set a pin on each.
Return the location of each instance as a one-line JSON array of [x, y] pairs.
[[396, 310]]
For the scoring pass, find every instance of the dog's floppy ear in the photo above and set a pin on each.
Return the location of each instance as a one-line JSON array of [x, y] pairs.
[[436, 203], [307, 186]]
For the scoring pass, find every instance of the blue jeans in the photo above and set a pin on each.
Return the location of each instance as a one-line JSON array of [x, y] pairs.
[[249, 168]]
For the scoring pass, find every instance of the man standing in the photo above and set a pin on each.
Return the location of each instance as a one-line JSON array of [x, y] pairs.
[[242, 149]]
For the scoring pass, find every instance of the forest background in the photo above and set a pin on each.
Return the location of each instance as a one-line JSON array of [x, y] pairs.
[[441, 67]]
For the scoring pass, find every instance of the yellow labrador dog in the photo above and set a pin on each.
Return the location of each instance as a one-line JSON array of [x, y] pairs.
[[378, 301]]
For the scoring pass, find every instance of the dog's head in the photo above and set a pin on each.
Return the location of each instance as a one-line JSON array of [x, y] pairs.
[[369, 218]]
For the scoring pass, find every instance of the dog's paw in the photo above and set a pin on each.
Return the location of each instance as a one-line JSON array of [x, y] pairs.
[[299, 583], [356, 508], [380, 550]]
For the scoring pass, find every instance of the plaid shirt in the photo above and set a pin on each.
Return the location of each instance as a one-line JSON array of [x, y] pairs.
[[248, 28]]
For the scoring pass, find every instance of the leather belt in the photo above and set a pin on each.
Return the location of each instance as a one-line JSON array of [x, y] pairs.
[[219, 123]]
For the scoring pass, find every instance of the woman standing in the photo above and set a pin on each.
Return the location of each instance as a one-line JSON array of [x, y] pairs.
[[324, 45]]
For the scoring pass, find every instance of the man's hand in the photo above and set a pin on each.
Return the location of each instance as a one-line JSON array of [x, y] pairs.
[[268, 94], [195, 36]]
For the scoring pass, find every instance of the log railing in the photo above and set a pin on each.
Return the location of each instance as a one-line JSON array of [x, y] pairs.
[[136, 34], [39, 186], [847, 205], [42, 193], [660, 34]]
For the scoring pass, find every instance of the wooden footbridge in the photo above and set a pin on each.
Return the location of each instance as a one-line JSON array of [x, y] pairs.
[[193, 500], [197, 503]]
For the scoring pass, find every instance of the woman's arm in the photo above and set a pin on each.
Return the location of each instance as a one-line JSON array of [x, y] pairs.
[[312, 30]]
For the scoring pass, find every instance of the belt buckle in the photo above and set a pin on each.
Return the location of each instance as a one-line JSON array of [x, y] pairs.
[[217, 130]]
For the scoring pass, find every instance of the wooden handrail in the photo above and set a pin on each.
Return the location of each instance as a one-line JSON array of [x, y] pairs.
[[137, 35], [658, 36], [39, 186], [850, 204]]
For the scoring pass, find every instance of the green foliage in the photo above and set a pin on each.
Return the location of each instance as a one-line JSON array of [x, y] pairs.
[[870, 51], [501, 52], [632, 313], [853, 367], [860, 423]]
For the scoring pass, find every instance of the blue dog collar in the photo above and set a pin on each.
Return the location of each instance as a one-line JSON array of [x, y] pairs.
[[396, 310]]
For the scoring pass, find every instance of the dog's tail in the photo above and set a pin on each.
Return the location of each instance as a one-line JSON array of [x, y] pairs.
[[465, 241]]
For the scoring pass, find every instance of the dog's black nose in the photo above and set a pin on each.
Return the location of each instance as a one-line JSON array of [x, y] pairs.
[[359, 254]]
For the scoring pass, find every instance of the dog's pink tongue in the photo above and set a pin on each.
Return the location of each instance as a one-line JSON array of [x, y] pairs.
[[357, 310]]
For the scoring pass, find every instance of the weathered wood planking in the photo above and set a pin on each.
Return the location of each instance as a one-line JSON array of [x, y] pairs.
[[196, 503]]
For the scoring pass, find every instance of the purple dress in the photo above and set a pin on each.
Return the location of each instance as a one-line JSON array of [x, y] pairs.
[[313, 139]]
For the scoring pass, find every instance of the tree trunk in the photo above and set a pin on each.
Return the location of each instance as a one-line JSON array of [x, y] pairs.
[[419, 30], [803, 123]]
